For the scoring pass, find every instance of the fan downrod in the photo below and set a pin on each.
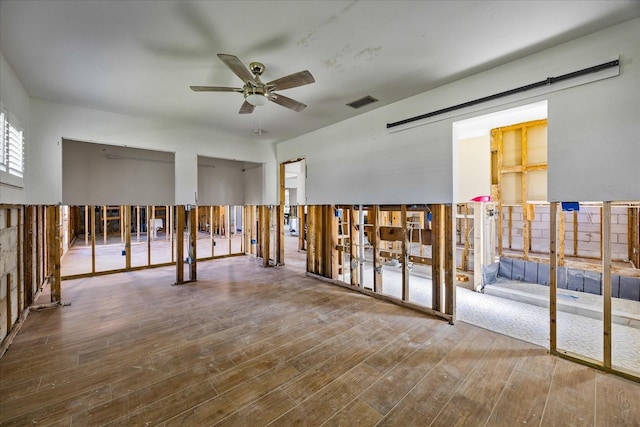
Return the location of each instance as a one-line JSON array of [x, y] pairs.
[[257, 68]]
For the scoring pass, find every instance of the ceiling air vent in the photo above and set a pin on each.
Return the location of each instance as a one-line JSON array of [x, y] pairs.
[[359, 103]]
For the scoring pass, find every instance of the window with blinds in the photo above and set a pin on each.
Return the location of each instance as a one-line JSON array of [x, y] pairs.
[[11, 149]]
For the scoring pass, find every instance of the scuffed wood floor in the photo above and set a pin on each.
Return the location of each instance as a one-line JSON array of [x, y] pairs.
[[247, 346]]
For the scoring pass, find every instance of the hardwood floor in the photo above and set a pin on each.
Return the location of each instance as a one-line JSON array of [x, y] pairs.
[[249, 346]]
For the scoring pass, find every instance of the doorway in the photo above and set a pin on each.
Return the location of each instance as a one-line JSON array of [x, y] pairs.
[[292, 205]]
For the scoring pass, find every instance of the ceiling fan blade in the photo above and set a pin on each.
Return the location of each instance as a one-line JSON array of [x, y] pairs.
[[293, 80], [238, 68], [289, 103], [246, 108], [215, 89]]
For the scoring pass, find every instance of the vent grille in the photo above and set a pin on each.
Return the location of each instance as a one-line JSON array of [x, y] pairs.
[[359, 103]]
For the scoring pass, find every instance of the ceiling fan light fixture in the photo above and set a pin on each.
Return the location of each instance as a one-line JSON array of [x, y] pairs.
[[256, 99]]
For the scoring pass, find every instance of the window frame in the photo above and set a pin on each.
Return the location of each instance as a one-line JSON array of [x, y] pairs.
[[12, 149]]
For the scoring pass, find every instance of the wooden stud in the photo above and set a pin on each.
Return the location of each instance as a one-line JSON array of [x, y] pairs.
[[510, 227], [553, 276], [561, 228], [320, 256], [280, 221], [404, 259], [601, 232], [29, 226], [333, 240], [104, 223], [497, 142], [180, 214], [265, 225], [127, 235], [324, 261], [449, 264], [86, 225], [465, 238], [93, 238], [605, 221], [526, 220], [227, 226], [436, 263], [9, 302], [243, 226], [633, 221], [211, 230], [301, 228], [53, 215], [19, 282], [170, 230], [353, 247], [377, 260], [575, 233], [193, 244], [120, 224], [149, 225], [138, 223], [8, 280]]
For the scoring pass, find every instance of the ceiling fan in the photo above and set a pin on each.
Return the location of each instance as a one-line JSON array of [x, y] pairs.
[[254, 91]]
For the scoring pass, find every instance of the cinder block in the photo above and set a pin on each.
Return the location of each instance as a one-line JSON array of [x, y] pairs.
[[517, 270], [562, 278], [593, 282], [584, 236], [538, 225], [531, 272], [540, 245], [590, 247], [630, 288], [589, 228], [543, 274], [575, 280], [619, 251], [619, 228], [536, 233], [505, 267], [623, 219]]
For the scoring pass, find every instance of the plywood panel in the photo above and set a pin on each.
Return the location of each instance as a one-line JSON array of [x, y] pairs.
[[511, 148], [537, 144]]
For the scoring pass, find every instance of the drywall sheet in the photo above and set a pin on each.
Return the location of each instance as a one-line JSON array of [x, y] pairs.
[[359, 161], [594, 150], [100, 174], [221, 182], [254, 184]]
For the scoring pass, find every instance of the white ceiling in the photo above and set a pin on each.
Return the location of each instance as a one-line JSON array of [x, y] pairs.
[[140, 57]]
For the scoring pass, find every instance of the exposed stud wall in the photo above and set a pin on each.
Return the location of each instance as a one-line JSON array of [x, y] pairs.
[[588, 237]]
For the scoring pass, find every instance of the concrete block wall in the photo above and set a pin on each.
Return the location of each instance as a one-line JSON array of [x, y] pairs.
[[588, 231], [568, 278]]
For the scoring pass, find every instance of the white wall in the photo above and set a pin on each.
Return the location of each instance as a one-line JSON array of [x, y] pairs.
[[594, 130], [474, 167], [594, 150], [254, 185], [52, 121], [15, 99], [98, 174], [221, 182]]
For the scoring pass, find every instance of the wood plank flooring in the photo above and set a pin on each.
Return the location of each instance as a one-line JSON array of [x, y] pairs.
[[248, 346]]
